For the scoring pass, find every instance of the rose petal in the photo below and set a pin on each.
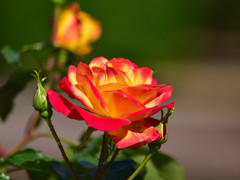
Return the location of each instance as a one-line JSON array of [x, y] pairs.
[[66, 30], [74, 112], [63, 106], [80, 87], [88, 26], [115, 76], [111, 87], [154, 82], [143, 94], [74, 92], [134, 137], [69, 32], [142, 114], [98, 62], [72, 73], [143, 76], [164, 94], [90, 91], [99, 76], [120, 103], [170, 105], [152, 121], [121, 64], [84, 69]]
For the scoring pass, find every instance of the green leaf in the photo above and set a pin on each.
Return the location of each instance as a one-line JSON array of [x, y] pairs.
[[15, 84], [121, 170], [90, 152], [83, 169], [167, 167], [21, 158], [36, 163], [10, 55], [86, 171], [62, 171], [4, 177], [160, 166], [36, 55], [38, 175]]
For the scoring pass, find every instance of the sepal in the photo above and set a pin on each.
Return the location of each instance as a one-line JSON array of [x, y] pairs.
[[40, 100]]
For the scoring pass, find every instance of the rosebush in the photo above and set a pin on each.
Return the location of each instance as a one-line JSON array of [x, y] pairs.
[[119, 98]]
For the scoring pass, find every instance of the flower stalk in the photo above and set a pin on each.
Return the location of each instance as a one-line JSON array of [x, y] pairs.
[[41, 104], [50, 125], [87, 134], [144, 162], [32, 137], [109, 164], [102, 155], [62, 58], [155, 145]]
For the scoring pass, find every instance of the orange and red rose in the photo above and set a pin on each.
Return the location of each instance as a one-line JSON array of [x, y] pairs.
[[75, 30], [119, 98]]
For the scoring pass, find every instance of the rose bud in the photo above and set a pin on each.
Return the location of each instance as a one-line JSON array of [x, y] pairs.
[[40, 100]]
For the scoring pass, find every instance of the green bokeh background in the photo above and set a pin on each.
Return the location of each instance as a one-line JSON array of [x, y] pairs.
[[138, 30]]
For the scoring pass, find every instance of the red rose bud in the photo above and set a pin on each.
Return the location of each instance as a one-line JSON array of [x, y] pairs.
[[75, 30], [40, 101]]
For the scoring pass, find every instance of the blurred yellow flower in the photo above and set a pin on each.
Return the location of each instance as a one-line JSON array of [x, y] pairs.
[[75, 30]]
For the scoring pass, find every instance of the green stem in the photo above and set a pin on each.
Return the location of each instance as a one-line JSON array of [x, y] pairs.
[[63, 139], [62, 58], [103, 152], [148, 156], [61, 148], [86, 135], [109, 164]]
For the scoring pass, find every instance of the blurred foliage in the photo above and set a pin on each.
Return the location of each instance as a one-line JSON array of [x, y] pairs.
[[137, 30], [4, 177], [10, 55], [160, 166], [84, 161], [40, 167], [33, 161], [16, 83], [30, 57]]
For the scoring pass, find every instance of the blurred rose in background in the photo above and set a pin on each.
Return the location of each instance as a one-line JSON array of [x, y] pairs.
[[192, 45], [74, 29]]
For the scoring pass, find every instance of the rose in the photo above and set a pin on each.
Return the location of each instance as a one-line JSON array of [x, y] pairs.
[[119, 97], [75, 29]]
